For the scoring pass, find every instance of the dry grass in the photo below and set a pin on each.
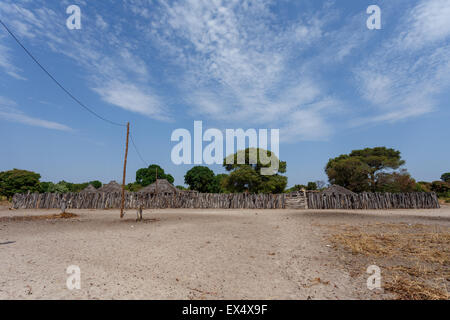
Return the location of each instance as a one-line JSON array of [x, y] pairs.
[[66, 215], [407, 289], [415, 258]]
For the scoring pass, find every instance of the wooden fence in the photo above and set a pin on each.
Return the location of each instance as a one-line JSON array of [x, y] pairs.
[[315, 200], [132, 200], [415, 200]]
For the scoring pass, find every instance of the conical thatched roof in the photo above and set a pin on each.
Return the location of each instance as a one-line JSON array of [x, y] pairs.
[[335, 189], [110, 187], [89, 189], [159, 186]]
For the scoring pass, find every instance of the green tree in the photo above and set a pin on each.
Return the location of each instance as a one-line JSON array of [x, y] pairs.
[[96, 184], [61, 187], [445, 177], [423, 186], [201, 179], [18, 181], [220, 180], [311, 186], [181, 187], [396, 182], [441, 188], [358, 170], [146, 176], [243, 179], [247, 177], [350, 173], [133, 187], [46, 187]]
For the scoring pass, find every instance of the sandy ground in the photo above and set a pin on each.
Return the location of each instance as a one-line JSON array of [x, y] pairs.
[[187, 254]]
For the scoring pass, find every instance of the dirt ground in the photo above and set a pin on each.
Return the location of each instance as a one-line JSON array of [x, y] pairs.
[[201, 254]]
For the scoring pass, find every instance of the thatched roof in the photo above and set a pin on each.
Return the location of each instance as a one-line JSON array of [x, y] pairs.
[[159, 186], [335, 189], [89, 189], [110, 187]]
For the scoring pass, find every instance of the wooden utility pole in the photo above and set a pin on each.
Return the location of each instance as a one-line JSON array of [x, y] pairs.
[[124, 172], [156, 188]]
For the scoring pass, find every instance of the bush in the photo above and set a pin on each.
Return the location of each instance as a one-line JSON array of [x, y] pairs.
[[441, 188]]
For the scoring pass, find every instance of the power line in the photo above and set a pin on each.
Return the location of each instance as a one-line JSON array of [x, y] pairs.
[[56, 81], [137, 151], [70, 94]]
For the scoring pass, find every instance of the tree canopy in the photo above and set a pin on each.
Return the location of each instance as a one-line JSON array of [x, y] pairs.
[[201, 179], [445, 177], [146, 176], [18, 181], [359, 170], [247, 177]]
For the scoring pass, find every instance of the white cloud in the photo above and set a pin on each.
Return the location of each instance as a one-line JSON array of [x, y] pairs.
[[425, 24], [402, 78], [242, 62], [132, 98], [7, 65], [9, 112], [98, 55], [237, 61], [99, 22]]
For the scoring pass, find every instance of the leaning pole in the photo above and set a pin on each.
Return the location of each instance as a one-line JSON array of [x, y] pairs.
[[122, 204]]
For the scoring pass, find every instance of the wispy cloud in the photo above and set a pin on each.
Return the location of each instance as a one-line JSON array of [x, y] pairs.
[[9, 112], [245, 64], [402, 78], [108, 60], [7, 65], [132, 98], [238, 62]]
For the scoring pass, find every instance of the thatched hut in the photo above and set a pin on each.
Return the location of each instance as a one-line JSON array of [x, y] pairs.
[[110, 187], [160, 186], [89, 189], [335, 189]]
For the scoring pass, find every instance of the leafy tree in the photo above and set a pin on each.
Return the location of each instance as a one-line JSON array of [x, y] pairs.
[[243, 179], [350, 173], [423, 186], [274, 184], [146, 176], [446, 177], [247, 177], [396, 182], [64, 186], [181, 188], [18, 181], [61, 187], [201, 179], [220, 180], [441, 188], [311, 186], [231, 162], [358, 170], [133, 187], [96, 184], [46, 187]]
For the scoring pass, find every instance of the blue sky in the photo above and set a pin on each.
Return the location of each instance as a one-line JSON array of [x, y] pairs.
[[310, 68]]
